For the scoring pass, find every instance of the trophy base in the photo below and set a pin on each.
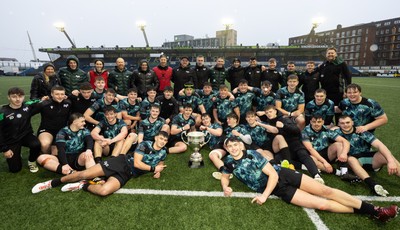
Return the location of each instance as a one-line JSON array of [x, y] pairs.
[[195, 165]]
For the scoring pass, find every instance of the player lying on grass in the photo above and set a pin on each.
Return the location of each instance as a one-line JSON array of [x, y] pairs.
[[148, 157], [291, 186]]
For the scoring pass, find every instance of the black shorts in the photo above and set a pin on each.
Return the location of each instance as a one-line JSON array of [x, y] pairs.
[[118, 168], [174, 139], [52, 132], [72, 160], [111, 148], [218, 146], [324, 154], [289, 181], [266, 146]]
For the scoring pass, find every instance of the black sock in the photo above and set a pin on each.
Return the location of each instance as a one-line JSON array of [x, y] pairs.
[[97, 160], [55, 182], [59, 169], [304, 157], [85, 187], [366, 208], [370, 182]]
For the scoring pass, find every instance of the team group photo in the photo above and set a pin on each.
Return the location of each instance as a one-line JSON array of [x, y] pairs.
[[211, 115]]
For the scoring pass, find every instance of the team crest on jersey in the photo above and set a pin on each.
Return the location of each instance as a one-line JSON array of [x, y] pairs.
[[51, 107], [10, 116], [19, 115], [142, 148], [66, 105], [355, 138]]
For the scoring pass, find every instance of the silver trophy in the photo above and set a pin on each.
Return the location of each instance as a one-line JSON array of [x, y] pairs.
[[196, 140]]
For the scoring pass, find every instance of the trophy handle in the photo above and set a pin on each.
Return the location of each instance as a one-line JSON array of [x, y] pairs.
[[206, 133], [184, 137]]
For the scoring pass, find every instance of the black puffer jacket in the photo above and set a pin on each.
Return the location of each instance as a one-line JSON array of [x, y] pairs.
[[275, 77], [254, 76], [119, 80], [39, 87], [144, 80], [203, 74], [180, 76], [72, 79], [218, 76], [235, 75]]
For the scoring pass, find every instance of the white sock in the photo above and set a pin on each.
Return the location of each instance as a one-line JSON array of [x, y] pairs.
[[343, 170]]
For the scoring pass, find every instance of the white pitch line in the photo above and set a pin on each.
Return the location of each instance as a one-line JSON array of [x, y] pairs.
[[311, 213], [234, 194], [389, 86], [314, 217]]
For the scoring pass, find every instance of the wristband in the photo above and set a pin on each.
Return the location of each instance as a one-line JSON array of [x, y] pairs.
[[152, 168], [290, 114]]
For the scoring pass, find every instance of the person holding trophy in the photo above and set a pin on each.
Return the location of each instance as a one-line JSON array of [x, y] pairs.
[[183, 122]]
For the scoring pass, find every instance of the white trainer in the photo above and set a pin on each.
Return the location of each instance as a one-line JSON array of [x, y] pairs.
[[33, 167], [319, 179], [41, 186], [71, 187], [379, 190], [218, 175]]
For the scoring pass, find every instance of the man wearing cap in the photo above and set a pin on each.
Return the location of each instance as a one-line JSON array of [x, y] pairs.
[[43, 82], [182, 74]]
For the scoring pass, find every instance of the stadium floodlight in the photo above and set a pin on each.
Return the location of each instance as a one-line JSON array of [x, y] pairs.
[[227, 22], [61, 27], [315, 23], [142, 26]]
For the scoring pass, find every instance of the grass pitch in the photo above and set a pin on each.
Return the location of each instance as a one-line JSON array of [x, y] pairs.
[[80, 210]]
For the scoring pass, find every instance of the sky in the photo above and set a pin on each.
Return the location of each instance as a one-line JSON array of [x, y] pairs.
[[113, 22]]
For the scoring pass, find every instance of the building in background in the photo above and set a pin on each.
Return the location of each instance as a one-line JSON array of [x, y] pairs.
[[369, 44], [223, 38]]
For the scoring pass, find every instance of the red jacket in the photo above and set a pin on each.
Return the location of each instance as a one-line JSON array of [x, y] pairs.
[[164, 75], [93, 74]]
